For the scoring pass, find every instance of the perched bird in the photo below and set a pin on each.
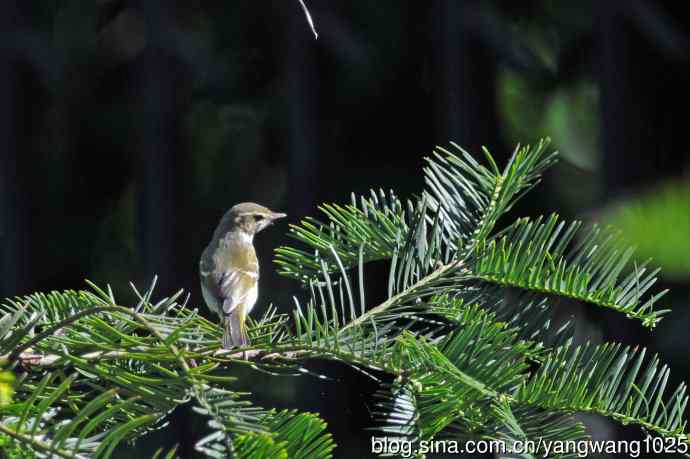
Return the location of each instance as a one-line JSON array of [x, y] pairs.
[[229, 268]]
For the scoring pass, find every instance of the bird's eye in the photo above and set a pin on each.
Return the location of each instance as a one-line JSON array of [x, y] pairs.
[[257, 218]]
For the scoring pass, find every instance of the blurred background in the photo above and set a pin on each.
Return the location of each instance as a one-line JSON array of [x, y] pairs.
[[128, 128]]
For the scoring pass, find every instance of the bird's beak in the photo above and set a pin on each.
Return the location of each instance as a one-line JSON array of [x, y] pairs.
[[275, 216]]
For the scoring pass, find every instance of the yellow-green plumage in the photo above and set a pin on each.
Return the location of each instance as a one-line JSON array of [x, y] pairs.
[[229, 269]]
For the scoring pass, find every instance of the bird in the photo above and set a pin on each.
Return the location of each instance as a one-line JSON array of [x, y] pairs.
[[229, 268]]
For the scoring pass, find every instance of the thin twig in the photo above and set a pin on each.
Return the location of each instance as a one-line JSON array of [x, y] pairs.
[[394, 299], [53, 329], [37, 443], [309, 19]]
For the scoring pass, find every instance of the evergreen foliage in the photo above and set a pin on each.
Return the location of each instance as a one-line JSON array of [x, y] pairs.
[[465, 333]]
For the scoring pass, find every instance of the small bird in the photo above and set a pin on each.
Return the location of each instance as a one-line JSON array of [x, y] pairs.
[[229, 268]]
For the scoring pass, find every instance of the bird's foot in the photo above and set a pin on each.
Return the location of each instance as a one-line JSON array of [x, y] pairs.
[[234, 354]]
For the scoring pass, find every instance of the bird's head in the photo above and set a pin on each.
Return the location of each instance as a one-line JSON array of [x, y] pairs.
[[249, 218]]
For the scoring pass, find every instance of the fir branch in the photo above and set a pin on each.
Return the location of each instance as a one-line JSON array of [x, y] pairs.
[[533, 255], [465, 331]]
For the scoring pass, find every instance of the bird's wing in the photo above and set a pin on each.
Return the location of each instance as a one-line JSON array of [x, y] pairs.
[[235, 287]]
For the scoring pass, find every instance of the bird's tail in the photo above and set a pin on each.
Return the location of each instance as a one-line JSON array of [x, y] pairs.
[[235, 331]]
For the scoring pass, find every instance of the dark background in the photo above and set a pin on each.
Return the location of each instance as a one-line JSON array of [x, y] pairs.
[[128, 128]]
